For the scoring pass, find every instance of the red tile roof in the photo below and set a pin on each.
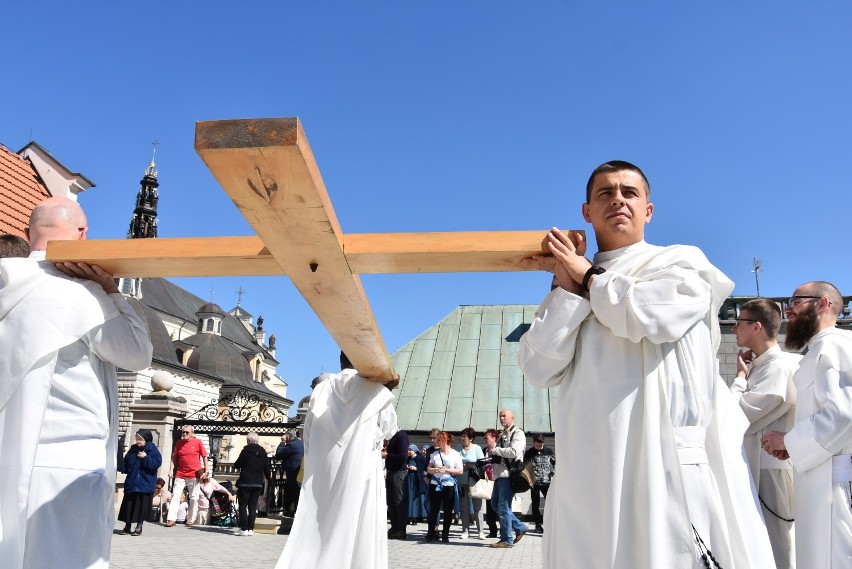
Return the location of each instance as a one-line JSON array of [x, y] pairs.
[[20, 190]]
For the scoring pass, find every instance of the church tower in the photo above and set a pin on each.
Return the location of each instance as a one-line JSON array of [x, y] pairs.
[[144, 222], [143, 225]]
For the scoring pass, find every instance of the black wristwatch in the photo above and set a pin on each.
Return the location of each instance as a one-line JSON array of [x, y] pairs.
[[593, 270]]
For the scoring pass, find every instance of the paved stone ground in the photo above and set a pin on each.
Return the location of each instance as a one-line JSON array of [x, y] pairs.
[[208, 547]]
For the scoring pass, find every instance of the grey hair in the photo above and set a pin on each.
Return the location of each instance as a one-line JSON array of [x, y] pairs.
[[252, 438]]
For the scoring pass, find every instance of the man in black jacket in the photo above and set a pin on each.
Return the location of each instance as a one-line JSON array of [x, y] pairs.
[[292, 454], [254, 471], [544, 464]]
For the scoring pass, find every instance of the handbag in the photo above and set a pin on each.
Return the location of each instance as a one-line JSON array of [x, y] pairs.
[[482, 489], [521, 476]]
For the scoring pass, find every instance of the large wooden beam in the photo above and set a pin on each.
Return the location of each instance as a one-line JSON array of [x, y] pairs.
[[368, 253], [267, 168], [171, 257]]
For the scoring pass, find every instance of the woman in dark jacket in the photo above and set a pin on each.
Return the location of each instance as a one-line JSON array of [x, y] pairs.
[[254, 471], [140, 465]]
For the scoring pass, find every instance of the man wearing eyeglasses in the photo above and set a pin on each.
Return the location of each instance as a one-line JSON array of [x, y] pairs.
[[64, 329], [767, 397], [188, 456], [656, 476], [820, 443]]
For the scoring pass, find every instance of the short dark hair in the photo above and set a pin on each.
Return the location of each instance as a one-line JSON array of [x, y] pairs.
[[161, 482], [765, 311], [538, 439], [469, 433], [493, 433], [825, 288], [13, 246], [616, 166], [344, 362]]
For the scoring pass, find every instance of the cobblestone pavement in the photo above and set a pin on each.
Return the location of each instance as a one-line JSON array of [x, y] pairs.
[[208, 547]]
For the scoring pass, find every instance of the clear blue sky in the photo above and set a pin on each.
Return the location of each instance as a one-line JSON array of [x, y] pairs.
[[450, 116]]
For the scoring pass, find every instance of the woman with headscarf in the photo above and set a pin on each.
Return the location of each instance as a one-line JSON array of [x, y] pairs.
[[140, 465], [416, 486]]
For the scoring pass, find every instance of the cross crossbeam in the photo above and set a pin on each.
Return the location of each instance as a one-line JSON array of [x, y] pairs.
[[267, 168]]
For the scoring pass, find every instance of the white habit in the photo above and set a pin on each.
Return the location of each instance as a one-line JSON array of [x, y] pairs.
[[652, 433], [341, 519], [820, 447], [768, 398], [60, 342]]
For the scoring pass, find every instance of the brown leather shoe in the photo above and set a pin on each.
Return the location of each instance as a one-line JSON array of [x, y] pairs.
[[501, 545], [170, 524], [190, 523]]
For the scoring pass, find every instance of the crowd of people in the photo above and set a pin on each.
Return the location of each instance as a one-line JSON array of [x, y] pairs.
[[669, 466]]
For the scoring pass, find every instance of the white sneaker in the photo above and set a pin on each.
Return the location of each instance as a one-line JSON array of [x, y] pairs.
[[250, 532], [464, 535], [482, 535], [236, 531]]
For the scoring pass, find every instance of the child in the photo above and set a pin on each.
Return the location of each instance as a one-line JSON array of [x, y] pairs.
[[183, 508]]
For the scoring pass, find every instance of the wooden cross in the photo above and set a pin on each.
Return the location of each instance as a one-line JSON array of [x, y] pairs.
[[267, 168]]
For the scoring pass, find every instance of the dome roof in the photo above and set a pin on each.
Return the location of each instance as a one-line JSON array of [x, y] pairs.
[[162, 342], [209, 308], [217, 356]]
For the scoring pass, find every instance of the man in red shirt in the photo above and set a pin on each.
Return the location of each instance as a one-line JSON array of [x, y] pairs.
[[187, 458]]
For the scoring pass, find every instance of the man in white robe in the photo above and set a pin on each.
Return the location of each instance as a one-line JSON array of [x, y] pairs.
[[631, 341], [820, 443], [768, 397], [61, 338], [341, 522]]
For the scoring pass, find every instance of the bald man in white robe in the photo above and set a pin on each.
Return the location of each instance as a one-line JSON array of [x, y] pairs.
[[63, 333], [820, 443]]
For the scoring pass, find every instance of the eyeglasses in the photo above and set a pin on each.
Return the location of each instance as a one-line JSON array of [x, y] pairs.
[[795, 301], [185, 433], [744, 320]]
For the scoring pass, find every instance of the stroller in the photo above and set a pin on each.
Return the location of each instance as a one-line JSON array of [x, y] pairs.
[[223, 512]]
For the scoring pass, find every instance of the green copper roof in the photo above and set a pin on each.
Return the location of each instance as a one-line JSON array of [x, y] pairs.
[[460, 372]]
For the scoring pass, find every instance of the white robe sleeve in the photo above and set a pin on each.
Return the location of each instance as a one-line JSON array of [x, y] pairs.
[[661, 306], [123, 340], [819, 436], [387, 421], [548, 346]]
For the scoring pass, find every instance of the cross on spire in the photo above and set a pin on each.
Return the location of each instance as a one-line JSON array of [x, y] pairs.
[[240, 294]]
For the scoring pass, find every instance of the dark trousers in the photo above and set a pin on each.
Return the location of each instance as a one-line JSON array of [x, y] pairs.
[[490, 517], [397, 500], [292, 489], [536, 492], [247, 498], [446, 498]]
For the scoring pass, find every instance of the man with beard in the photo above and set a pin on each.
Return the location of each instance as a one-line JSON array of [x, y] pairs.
[[820, 443], [768, 398]]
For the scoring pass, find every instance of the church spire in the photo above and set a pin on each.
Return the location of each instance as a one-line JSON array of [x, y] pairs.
[[144, 222]]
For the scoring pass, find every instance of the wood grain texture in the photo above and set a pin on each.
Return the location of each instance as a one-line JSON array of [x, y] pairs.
[[366, 253], [267, 168], [171, 257]]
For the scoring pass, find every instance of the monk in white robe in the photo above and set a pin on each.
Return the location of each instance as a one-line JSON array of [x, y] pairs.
[[820, 443], [341, 522], [61, 339], [631, 341], [767, 396]]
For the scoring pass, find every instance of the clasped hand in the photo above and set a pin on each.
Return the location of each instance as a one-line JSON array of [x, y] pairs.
[[566, 261]]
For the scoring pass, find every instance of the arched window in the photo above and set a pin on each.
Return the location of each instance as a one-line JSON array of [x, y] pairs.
[[209, 324]]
